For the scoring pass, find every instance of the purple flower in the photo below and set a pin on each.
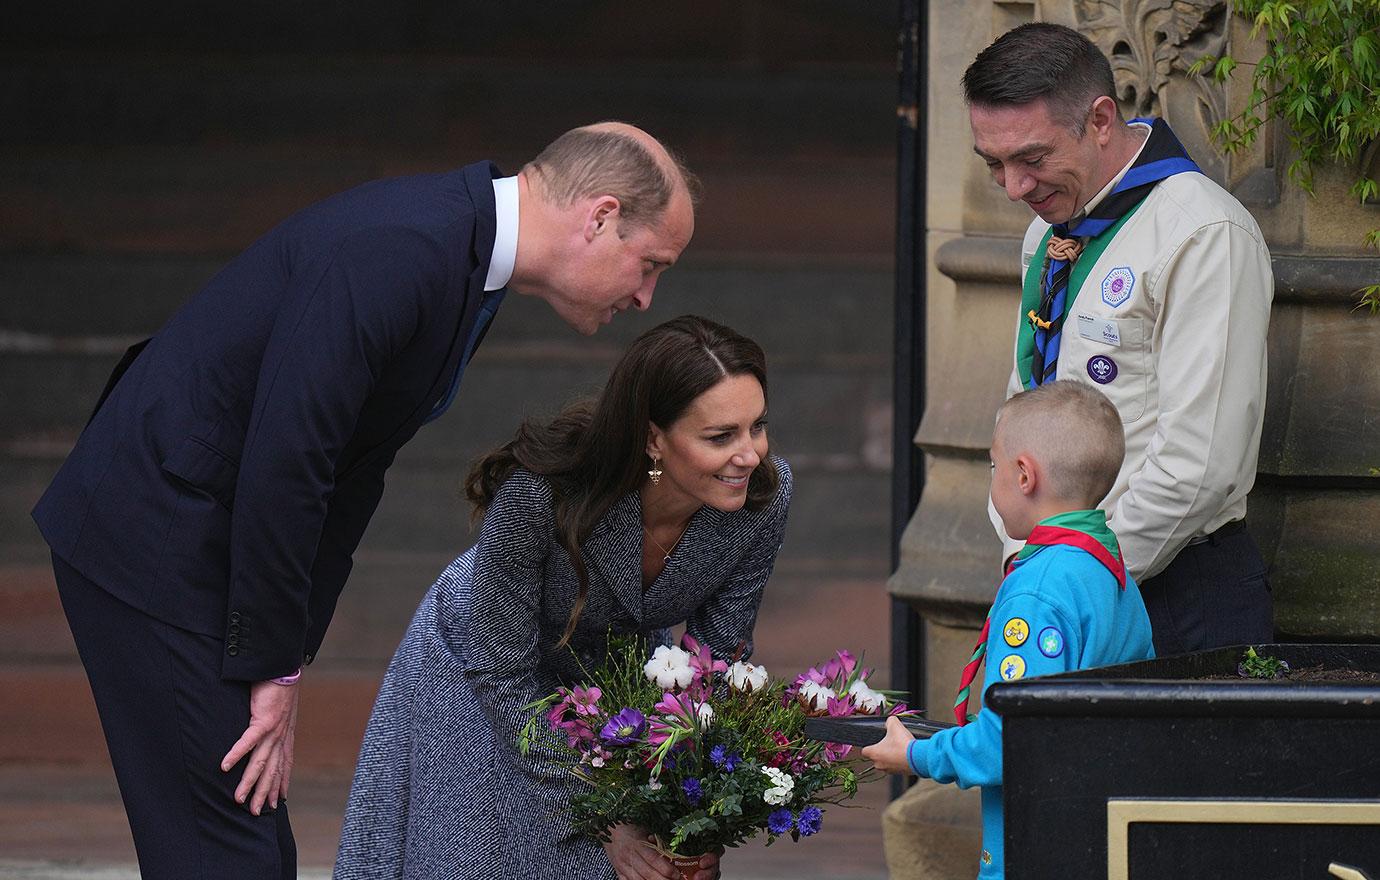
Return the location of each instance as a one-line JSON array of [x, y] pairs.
[[723, 759], [693, 792], [809, 821], [779, 822], [625, 728]]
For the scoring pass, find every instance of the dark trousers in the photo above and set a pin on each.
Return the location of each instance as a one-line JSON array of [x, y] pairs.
[[1214, 593], [168, 721]]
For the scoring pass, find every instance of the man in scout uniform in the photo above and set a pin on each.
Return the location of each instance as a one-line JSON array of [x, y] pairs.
[[1067, 601], [1146, 279]]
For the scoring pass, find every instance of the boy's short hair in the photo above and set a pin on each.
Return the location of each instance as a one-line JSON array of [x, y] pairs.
[[1073, 431]]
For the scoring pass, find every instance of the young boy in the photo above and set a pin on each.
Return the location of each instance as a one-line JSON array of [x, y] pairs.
[[1066, 602]]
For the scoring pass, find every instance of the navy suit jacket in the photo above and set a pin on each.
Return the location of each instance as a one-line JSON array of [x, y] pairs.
[[226, 481]]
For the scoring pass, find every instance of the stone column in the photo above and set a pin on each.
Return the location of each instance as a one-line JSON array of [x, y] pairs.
[[1316, 507]]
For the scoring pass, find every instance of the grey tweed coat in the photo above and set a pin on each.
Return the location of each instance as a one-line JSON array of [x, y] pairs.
[[441, 790]]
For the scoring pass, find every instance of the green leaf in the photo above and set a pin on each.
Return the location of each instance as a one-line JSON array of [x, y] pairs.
[[1363, 51], [1365, 189], [1197, 67], [1370, 298]]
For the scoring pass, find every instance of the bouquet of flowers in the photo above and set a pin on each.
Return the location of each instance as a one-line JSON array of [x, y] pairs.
[[699, 752]]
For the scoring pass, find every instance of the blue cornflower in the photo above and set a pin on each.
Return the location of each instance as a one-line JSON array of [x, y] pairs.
[[779, 822], [809, 821], [723, 759], [693, 792]]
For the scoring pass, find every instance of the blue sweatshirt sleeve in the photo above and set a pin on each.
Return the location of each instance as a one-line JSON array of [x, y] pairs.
[[1029, 636]]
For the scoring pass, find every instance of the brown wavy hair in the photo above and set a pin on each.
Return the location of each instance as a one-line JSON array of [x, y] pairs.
[[594, 452]]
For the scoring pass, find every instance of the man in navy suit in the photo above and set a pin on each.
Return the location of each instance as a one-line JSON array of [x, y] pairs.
[[203, 526]]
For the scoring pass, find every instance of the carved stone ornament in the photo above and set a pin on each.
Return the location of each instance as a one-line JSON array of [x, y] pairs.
[[1151, 44]]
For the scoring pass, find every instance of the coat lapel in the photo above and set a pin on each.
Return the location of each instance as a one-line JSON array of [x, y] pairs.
[[614, 552]]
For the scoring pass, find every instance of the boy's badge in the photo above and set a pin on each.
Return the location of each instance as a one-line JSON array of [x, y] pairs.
[[1016, 632], [1051, 642], [1101, 369], [1116, 287], [1012, 667]]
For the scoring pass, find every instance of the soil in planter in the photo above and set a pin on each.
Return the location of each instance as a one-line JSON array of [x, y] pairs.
[[1319, 673]]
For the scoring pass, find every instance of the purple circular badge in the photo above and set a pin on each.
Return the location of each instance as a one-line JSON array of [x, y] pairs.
[[1101, 369]]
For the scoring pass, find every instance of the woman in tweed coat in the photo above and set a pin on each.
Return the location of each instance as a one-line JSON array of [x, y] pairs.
[[441, 790]]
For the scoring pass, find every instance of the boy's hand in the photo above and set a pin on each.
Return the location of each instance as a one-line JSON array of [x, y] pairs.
[[889, 755]]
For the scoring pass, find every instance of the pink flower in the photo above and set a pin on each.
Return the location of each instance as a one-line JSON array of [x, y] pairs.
[[701, 660], [781, 755], [838, 669], [840, 708], [576, 715], [679, 712], [585, 700], [835, 752]]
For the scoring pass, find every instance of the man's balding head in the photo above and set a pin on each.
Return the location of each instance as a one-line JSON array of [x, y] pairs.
[[617, 159]]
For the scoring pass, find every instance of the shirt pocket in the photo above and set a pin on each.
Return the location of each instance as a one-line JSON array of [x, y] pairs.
[[1122, 372]]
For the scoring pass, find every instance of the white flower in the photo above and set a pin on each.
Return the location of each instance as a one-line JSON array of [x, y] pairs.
[[654, 785], [816, 695], [669, 668], [865, 698], [597, 760], [746, 677], [705, 713], [781, 787]]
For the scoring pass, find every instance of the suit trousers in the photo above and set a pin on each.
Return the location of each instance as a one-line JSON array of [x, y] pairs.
[[169, 719], [1215, 593]]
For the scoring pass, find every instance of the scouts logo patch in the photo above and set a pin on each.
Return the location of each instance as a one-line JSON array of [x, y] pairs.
[[1013, 667], [1016, 632], [1051, 642], [1116, 287], [1102, 369]]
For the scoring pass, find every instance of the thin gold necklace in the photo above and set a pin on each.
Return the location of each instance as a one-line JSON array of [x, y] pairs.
[[666, 557]]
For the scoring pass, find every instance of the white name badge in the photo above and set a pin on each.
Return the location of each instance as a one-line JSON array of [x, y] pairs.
[[1099, 330]]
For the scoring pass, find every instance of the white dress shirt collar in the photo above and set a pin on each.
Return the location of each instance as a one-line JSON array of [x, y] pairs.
[[505, 233]]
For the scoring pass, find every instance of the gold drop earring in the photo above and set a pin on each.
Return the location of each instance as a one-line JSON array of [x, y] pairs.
[[655, 472]]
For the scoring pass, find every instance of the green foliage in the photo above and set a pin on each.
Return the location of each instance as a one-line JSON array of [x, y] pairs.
[[1255, 666], [1321, 74]]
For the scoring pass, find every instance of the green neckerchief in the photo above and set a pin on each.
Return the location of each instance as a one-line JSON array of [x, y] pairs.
[[1030, 291], [1092, 523]]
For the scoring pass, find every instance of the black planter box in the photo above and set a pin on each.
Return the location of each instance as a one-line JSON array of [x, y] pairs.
[[1137, 772]]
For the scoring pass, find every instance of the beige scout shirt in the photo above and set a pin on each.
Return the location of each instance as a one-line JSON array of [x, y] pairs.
[[1171, 326]]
